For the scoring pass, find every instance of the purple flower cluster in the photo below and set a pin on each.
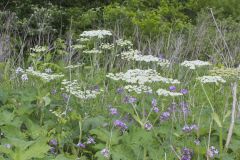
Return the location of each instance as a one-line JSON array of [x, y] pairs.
[[53, 143], [212, 152], [105, 152], [91, 140], [174, 88], [113, 111], [186, 154], [130, 99], [184, 91], [120, 124], [148, 126], [154, 106], [81, 145], [165, 116], [120, 90], [189, 128]]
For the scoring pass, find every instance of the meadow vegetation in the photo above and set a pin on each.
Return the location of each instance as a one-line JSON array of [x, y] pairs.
[[119, 80]]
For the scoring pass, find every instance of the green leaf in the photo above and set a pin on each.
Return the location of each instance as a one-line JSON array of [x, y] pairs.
[[106, 136], [36, 150]]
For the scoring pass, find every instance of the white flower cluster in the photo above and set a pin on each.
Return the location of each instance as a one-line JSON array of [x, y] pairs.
[[78, 46], [107, 46], [163, 92], [39, 49], [96, 33], [141, 77], [74, 66], [211, 79], [124, 43], [19, 70], [195, 64], [135, 55], [74, 89], [83, 40], [138, 89], [93, 51], [44, 76]]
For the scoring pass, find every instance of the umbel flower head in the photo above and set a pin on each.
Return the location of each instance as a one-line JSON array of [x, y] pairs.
[[141, 77], [227, 73], [163, 92], [134, 55], [138, 89], [96, 33], [45, 76], [195, 64], [211, 79], [74, 89]]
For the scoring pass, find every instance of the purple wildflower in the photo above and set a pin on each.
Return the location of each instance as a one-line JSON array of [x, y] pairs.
[[81, 145], [53, 91], [194, 127], [148, 126], [96, 88], [189, 128], [184, 91], [65, 97], [53, 142], [161, 56], [165, 116], [105, 152], [197, 142], [90, 140], [212, 152], [113, 111], [172, 88], [186, 154], [120, 124], [120, 90], [156, 109], [129, 99], [154, 102]]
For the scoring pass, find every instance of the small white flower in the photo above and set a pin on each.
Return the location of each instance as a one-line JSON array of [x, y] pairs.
[[24, 77], [163, 92], [74, 89], [211, 79], [44, 76], [141, 77], [194, 64], [138, 89], [107, 46], [48, 70], [124, 43], [134, 55], [96, 33], [39, 49], [93, 51], [19, 70]]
